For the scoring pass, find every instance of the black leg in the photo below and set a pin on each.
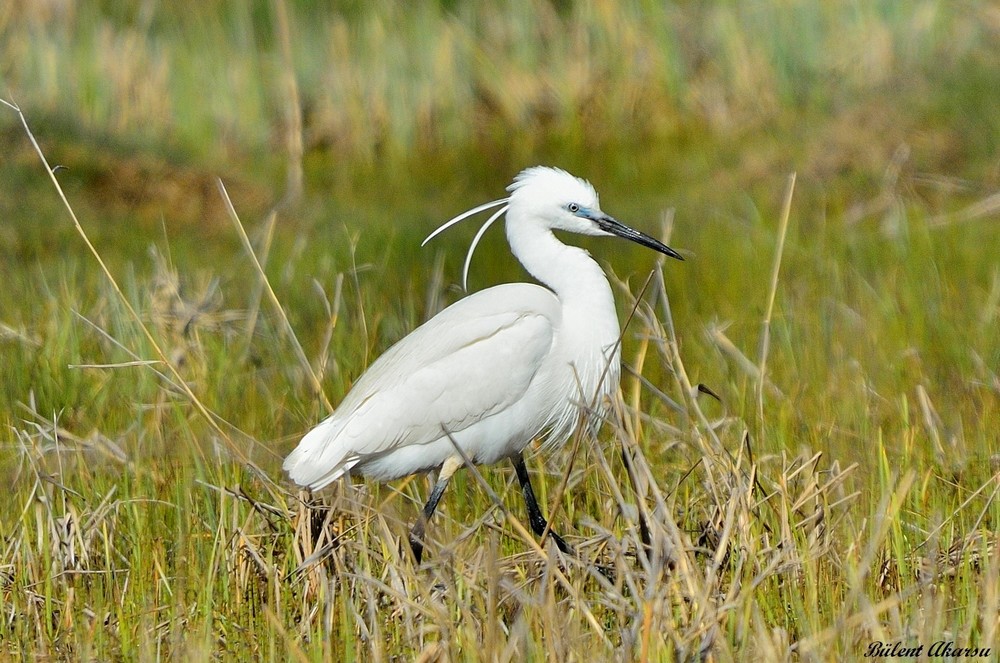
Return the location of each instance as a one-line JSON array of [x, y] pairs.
[[535, 516], [417, 532]]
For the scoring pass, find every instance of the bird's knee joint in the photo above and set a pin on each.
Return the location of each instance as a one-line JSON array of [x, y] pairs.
[[451, 465]]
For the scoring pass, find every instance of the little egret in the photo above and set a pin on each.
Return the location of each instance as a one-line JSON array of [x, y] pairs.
[[492, 372]]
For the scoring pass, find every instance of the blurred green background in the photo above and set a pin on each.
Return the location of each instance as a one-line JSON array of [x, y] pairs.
[[692, 97]]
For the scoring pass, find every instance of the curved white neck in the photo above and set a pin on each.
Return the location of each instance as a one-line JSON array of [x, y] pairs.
[[589, 330], [569, 271]]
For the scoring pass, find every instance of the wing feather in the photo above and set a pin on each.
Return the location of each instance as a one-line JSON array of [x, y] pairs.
[[475, 358]]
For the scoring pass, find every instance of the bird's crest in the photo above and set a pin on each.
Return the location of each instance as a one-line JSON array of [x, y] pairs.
[[549, 180]]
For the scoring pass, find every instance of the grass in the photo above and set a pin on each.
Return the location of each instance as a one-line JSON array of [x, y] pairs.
[[842, 491]]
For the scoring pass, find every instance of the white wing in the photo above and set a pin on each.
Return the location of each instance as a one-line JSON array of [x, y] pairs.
[[475, 358]]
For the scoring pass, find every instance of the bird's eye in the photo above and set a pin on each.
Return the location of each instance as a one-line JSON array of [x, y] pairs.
[[573, 208]]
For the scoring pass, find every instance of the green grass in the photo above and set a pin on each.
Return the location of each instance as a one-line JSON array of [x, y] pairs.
[[853, 501]]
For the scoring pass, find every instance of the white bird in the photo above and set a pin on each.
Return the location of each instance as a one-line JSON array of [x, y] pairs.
[[495, 370]]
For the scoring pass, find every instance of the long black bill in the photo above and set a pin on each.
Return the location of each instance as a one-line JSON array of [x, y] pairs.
[[615, 227]]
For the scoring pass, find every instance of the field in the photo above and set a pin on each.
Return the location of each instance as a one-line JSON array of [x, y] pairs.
[[829, 170]]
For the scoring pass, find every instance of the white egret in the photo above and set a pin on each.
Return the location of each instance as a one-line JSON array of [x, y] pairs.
[[493, 371]]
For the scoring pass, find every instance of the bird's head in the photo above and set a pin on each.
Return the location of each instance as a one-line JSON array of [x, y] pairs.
[[552, 199], [555, 199], [561, 201]]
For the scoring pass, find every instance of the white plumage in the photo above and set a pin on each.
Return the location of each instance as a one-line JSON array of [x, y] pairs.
[[496, 369], [463, 371]]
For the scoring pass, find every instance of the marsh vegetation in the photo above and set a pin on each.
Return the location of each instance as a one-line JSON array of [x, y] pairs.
[[841, 491]]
